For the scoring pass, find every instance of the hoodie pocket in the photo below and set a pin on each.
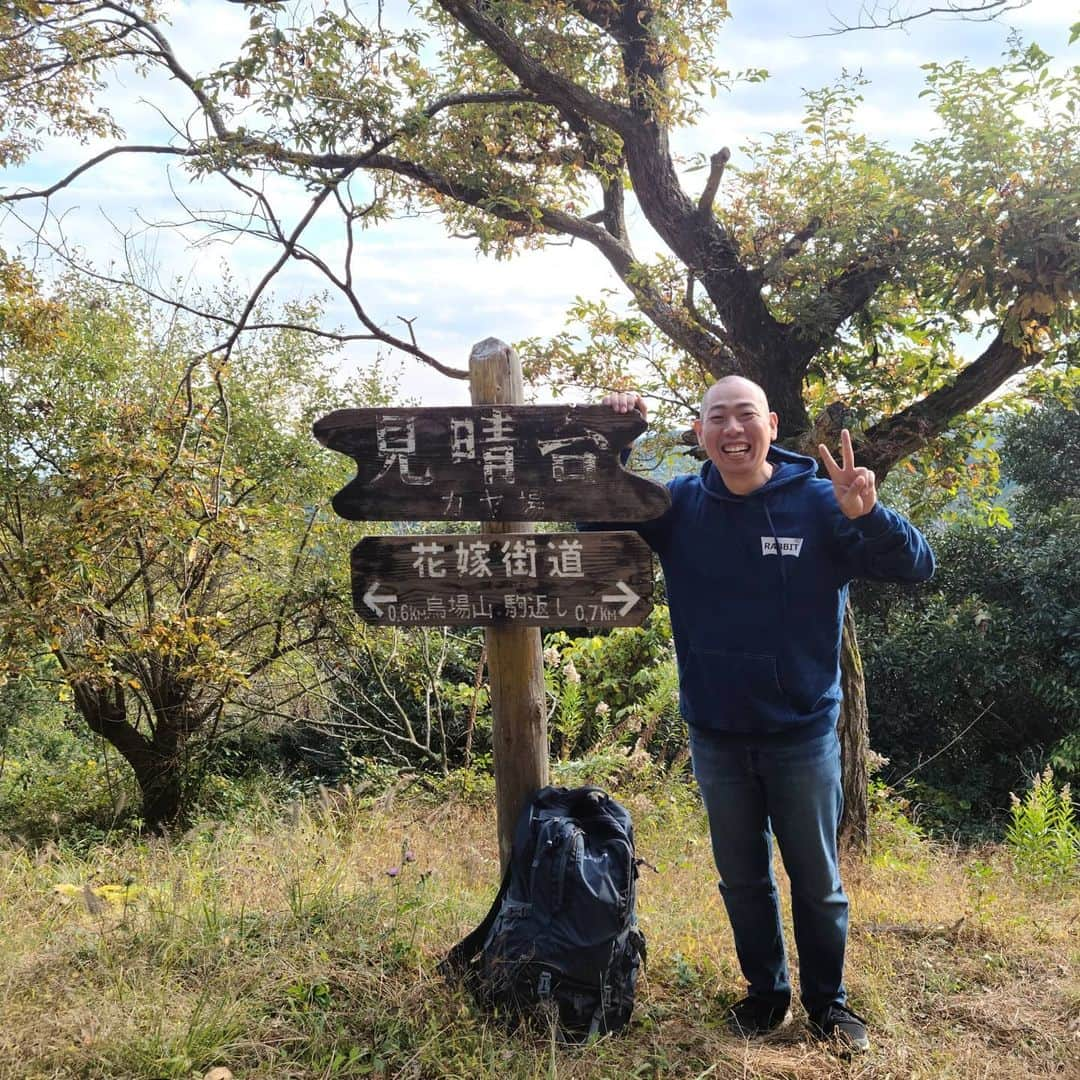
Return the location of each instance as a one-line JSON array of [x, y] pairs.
[[736, 691]]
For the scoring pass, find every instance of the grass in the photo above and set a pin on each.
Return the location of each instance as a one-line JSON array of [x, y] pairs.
[[280, 947]]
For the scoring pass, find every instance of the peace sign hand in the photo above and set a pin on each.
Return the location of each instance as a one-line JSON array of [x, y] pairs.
[[855, 488]]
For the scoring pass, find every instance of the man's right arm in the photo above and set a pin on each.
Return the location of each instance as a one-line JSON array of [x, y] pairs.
[[654, 532], [624, 401]]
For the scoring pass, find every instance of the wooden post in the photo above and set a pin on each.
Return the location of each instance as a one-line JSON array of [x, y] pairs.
[[515, 654]]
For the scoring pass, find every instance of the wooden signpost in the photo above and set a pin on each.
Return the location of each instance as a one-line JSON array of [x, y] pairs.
[[550, 579], [526, 463], [499, 462]]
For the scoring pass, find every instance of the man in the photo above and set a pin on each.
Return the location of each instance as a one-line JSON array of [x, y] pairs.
[[757, 555]]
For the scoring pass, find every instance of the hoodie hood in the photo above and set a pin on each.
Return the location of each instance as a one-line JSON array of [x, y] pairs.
[[788, 467]]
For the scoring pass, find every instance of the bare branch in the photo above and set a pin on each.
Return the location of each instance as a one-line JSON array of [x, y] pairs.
[[344, 286], [878, 16], [44, 193], [209, 109], [288, 250], [211, 316]]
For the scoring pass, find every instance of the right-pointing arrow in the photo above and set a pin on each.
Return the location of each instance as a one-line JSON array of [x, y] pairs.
[[625, 596], [373, 599]]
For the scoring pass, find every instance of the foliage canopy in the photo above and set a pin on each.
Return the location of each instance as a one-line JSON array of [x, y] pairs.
[[824, 265], [159, 538]]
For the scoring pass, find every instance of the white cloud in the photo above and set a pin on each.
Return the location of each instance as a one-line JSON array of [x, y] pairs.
[[777, 54], [1043, 14]]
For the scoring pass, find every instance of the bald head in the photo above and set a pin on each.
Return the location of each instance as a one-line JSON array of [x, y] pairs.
[[735, 430], [738, 389]]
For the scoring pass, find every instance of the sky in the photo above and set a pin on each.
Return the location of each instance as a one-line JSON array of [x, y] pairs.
[[410, 268]]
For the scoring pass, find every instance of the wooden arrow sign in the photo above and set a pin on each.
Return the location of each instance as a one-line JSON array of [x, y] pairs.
[[490, 463], [527, 579]]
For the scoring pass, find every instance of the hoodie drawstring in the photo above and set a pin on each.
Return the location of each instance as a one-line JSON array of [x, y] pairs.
[[779, 560]]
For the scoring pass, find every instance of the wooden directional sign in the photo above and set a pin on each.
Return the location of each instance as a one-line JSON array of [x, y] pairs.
[[525, 579], [490, 463]]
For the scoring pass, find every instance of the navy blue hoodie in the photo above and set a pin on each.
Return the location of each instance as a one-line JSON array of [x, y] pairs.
[[757, 586]]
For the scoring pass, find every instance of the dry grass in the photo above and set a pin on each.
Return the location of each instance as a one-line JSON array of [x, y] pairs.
[[284, 949]]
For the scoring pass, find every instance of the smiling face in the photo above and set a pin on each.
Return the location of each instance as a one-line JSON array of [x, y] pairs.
[[736, 430]]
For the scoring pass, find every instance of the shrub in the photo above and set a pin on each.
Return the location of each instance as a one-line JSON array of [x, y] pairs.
[[406, 697], [974, 684], [618, 689], [1041, 451], [1044, 834], [55, 777]]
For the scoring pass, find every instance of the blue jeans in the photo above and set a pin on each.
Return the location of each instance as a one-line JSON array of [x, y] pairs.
[[795, 790]]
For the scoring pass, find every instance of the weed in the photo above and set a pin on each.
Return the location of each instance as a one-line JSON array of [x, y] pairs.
[[980, 876], [1043, 833]]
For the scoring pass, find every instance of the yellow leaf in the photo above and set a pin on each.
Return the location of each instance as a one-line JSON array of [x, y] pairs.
[[96, 897], [118, 894]]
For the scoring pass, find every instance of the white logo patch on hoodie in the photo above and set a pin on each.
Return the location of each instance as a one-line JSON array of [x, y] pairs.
[[789, 545]]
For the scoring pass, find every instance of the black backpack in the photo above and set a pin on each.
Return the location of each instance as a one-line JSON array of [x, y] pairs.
[[561, 943]]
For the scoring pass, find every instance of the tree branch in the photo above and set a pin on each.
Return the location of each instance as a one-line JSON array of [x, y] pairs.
[[712, 185], [790, 249], [893, 438], [179, 72], [273, 151], [620, 257], [840, 298], [601, 14], [892, 17], [226, 321], [713, 328], [44, 193], [548, 86]]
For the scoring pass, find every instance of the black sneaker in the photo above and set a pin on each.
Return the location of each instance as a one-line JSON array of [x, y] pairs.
[[838, 1024], [756, 1016]]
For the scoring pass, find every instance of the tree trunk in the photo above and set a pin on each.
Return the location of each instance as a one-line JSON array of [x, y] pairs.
[[155, 762], [158, 772], [854, 732], [163, 803]]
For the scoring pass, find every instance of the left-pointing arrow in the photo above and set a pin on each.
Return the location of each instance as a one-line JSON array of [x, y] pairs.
[[625, 596], [373, 598]]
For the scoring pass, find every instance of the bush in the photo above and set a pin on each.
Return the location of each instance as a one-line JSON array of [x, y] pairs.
[[1044, 834], [1041, 450], [55, 777], [615, 690], [975, 685], [405, 697]]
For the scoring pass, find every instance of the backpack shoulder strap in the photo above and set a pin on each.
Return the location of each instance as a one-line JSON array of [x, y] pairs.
[[457, 960]]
